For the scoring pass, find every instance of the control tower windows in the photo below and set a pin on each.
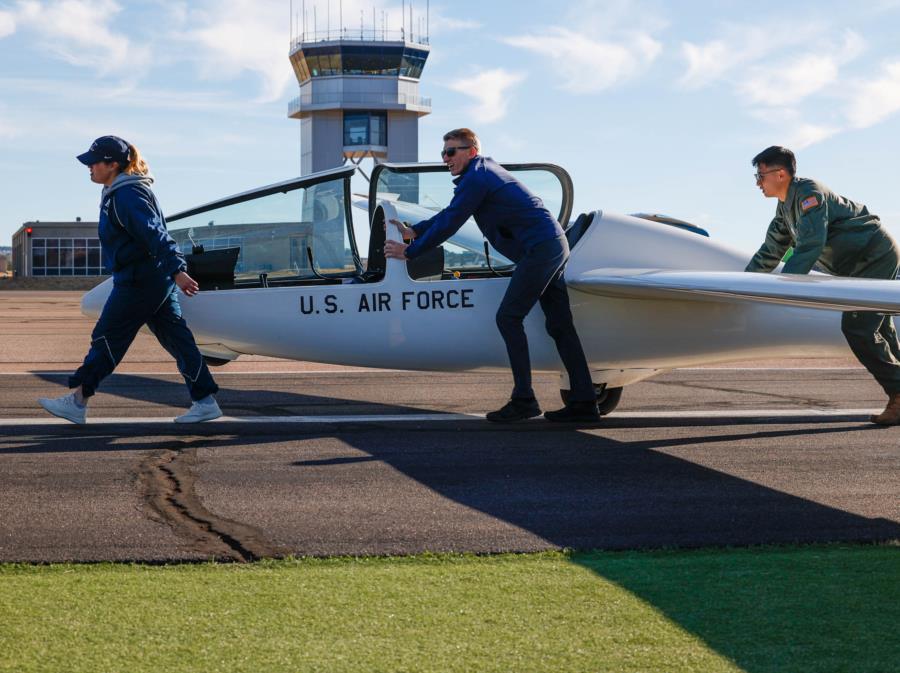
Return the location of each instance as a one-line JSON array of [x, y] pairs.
[[365, 128], [300, 65], [413, 62], [371, 60], [366, 60], [329, 61]]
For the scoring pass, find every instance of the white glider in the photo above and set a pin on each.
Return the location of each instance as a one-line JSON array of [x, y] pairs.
[[281, 276]]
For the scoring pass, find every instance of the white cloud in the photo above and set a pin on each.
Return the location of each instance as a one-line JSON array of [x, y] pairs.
[[489, 89], [612, 43], [789, 83], [589, 65], [790, 128], [740, 45], [236, 36], [777, 78], [803, 135], [7, 24], [79, 32], [796, 78], [233, 37], [877, 99], [706, 63]]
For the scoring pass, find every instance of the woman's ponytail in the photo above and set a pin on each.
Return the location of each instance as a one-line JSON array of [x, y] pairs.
[[136, 164]]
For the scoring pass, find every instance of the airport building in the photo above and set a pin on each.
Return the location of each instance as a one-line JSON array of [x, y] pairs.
[[57, 249], [359, 92]]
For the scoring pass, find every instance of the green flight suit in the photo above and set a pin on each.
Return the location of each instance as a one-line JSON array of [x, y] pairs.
[[845, 239]]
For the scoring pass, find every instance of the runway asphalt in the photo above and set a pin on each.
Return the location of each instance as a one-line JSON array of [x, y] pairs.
[[319, 460]]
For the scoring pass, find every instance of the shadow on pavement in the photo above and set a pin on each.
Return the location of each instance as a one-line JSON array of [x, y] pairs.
[[584, 490]]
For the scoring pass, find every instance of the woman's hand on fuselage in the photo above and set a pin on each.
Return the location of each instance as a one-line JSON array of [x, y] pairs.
[[187, 284]]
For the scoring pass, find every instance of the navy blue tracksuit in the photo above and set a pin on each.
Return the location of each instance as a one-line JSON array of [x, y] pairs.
[[517, 224], [143, 259]]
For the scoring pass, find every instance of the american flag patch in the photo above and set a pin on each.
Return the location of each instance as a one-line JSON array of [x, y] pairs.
[[808, 203]]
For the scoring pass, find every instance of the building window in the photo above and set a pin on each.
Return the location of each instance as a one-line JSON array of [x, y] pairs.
[[65, 257], [365, 128]]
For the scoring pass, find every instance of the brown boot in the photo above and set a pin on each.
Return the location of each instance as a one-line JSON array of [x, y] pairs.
[[891, 413]]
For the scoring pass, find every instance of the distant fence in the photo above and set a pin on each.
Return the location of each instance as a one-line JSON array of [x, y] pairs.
[[80, 283]]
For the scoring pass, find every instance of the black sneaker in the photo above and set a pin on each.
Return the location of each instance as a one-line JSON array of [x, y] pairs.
[[575, 412], [515, 410]]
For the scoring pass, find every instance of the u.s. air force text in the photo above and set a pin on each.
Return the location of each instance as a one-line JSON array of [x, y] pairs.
[[373, 302]]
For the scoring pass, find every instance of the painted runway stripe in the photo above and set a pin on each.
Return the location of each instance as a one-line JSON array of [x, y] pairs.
[[432, 418], [370, 372], [361, 370]]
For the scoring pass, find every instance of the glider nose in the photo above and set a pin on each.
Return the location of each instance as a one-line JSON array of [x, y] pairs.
[[92, 302]]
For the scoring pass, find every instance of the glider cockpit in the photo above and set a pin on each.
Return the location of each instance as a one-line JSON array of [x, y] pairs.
[[300, 232]]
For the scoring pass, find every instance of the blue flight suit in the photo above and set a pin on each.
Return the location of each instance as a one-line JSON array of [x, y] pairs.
[[143, 260], [846, 240], [517, 224]]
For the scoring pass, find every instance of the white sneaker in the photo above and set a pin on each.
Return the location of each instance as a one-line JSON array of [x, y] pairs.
[[202, 410], [65, 407]]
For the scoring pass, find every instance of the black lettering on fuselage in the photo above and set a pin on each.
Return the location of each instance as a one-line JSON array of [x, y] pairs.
[[330, 303], [406, 298], [430, 300], [307, 305], [379, 301], [451, 302], [467, 298]]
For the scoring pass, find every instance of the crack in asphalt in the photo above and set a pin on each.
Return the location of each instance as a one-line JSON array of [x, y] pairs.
[[167, 484]]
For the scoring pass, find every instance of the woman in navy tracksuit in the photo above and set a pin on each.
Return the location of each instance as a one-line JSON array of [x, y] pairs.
[[146, 267]]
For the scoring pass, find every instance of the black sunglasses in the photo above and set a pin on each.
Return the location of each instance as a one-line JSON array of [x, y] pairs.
[[450, 151]]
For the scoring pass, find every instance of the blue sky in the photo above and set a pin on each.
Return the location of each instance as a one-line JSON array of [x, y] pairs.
[[651, 106]]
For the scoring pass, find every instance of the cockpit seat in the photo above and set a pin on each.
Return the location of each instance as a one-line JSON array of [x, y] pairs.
[[427, 266], [213, 269]]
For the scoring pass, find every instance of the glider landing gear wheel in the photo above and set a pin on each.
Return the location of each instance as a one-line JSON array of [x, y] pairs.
[[215, 362], [607, 398]]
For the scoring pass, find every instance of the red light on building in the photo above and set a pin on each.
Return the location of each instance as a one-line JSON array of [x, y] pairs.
[[28, 230]]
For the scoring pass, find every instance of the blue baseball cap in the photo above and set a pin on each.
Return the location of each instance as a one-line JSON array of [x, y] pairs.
[[105, 148]]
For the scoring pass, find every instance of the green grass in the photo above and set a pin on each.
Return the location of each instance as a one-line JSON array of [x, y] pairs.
[[784, 609]]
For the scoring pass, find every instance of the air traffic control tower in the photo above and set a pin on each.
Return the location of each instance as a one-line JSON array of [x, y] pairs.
[[359, 93]]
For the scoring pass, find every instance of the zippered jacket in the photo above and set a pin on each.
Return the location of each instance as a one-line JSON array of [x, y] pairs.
[[511, 218], [822, 227], [133, 234]]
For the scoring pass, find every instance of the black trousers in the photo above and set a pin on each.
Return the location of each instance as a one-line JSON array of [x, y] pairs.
[[152, 302], [539, 278]]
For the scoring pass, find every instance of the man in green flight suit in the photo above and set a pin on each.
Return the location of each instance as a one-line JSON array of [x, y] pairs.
[[845, 239]]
